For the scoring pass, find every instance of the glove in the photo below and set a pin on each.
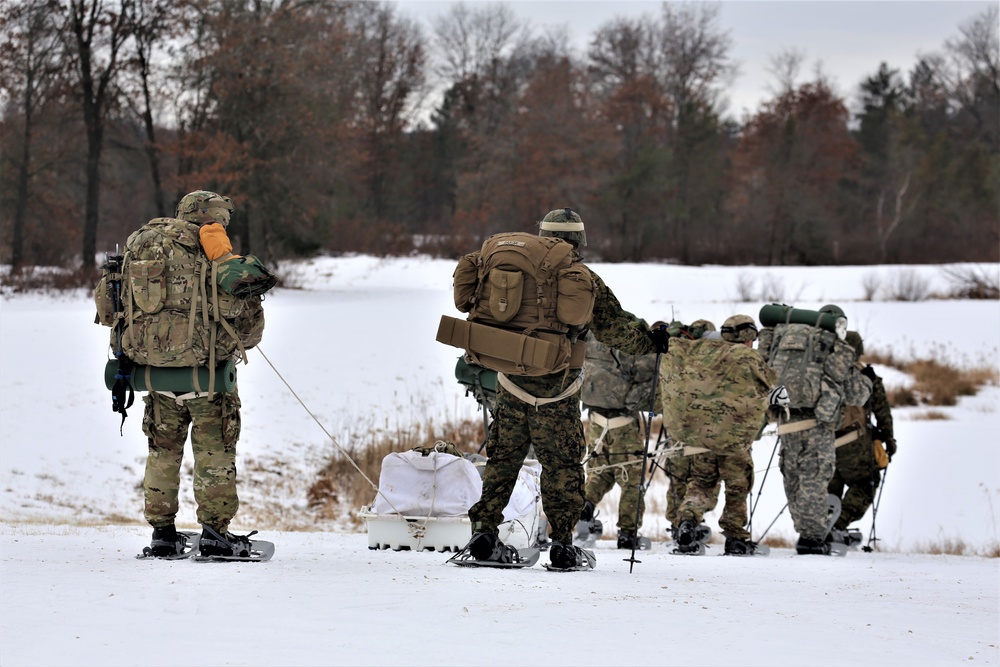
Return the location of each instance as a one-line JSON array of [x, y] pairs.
[[869, 372], [778, 398], [660, 337], [890, 447]]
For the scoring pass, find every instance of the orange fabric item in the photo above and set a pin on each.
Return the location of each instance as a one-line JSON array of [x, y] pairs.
[[215, 241]]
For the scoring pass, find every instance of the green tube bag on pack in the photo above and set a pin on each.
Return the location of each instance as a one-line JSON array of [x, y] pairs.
[[774, 314], [177, 380]]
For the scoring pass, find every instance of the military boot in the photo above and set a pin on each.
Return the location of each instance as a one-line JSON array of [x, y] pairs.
[[166, 542]]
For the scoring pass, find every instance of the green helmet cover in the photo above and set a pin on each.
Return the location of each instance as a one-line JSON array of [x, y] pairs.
[[563, 223]]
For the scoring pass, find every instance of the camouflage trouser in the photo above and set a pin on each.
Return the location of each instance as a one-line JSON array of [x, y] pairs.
[[621, 445], [556, 432], [678, 469], [855, 469], [214, 433], [734, 466], [807, 462]]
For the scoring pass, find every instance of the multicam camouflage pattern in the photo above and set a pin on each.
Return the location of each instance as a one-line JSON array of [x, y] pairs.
[[165, 273], [714, 395], [554, 429], [215, 430], [702, 494], [856, 468], [807, 461], [620, 446], [678, 471], [204, 206]]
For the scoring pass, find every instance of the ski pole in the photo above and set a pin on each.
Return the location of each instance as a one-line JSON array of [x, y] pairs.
[[872, 539], [645, 455], [756, 500], [772, 523]]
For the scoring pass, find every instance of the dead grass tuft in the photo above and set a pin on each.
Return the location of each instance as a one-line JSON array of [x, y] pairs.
[[931, 415], [934, 382], [779, 542]]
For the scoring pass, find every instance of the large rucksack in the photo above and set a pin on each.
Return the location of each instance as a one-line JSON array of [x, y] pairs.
[[173, 312], [815, 367], [526, 297], [616, 381]]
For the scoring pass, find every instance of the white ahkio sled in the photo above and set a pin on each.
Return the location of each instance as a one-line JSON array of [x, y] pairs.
[[423, 503]]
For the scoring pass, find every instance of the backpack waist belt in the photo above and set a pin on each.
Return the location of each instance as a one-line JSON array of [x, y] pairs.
[[795, 427], [609, 424], [847, 438], [507, 384]]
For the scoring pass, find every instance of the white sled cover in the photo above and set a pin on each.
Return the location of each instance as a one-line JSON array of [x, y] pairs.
[[439, 484]]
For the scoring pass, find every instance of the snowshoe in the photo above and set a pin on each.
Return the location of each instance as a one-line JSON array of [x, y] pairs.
[[570, 558], [224, 546], [486, 550], [687, 542], [169, 544], [632, 541], [851, 538], [588, 532], [744, 547]]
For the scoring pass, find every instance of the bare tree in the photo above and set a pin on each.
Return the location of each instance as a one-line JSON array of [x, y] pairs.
[[96, 31], [29, 48], [785, 66]]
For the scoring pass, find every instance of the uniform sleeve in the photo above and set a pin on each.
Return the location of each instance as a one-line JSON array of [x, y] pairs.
[[880, 407], [616, 327]]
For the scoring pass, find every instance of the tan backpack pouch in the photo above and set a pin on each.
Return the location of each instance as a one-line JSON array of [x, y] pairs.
[[575, 305], [466, 281], [146, 280], [506, 288]]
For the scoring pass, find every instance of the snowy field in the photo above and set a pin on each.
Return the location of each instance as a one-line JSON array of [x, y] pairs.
[[356, 343]]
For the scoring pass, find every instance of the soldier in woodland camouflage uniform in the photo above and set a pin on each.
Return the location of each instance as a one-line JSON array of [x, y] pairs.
[[214, 420], [807, 459], [859, 458], [554, 428], [715, 397]]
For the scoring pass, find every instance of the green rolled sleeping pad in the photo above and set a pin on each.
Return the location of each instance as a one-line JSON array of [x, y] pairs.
[[177, 380], [468, 374], [778, 313]]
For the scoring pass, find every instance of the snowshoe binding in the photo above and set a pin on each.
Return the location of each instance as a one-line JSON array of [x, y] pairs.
[[169, 544], [687, 539], [627, 540], [745, 547], [217, 545], [827, 546], [850, 537], [570, 558], [486, 550]]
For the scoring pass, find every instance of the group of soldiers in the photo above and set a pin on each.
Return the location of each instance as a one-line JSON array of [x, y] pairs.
[[616, 383]]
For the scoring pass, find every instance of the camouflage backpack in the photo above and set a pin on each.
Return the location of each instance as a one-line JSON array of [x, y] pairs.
[[815, 366], [173, 312], [614, 380], [528, 297]]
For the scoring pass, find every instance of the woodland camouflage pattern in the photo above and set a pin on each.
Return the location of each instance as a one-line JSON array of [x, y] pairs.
[[714, 395], [554, 429], [855, 462], [215, 429]]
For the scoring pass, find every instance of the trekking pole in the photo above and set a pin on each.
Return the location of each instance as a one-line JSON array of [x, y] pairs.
[[645, 456], [872, 539], [772, 523], [753, 508]]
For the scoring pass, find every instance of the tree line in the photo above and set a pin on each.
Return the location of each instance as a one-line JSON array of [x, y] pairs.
[[346, 127]]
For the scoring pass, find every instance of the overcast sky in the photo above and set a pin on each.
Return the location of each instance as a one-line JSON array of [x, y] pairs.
[[849, 38]]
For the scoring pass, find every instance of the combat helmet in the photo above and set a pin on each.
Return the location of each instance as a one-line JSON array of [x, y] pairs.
[[854, 340], [699, 328], [564, 223], [202, 206], [841, 321], [739, 329]]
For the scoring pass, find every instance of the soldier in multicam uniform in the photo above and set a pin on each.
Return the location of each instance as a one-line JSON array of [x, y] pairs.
[[715, 398], [807, 459], [859, 456], [526, 418], [214, 424]]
